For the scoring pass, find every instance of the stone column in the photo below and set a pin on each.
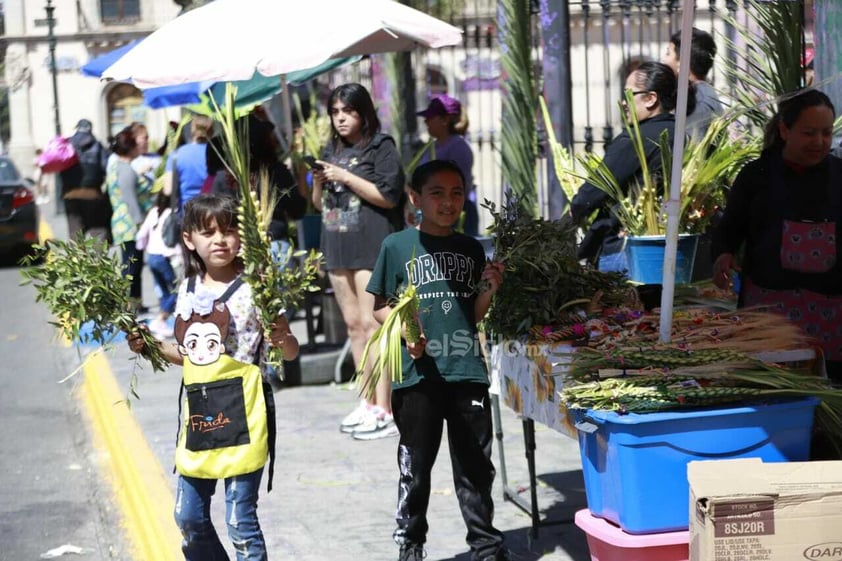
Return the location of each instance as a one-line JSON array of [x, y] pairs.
[[19, 79]]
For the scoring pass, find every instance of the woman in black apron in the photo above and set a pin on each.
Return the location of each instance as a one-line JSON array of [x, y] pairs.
[[783, 212]]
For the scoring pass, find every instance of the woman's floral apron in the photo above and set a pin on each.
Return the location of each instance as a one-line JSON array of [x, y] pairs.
[[806, 247]]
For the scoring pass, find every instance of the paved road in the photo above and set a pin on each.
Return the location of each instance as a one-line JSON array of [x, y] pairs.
[[334, 497]]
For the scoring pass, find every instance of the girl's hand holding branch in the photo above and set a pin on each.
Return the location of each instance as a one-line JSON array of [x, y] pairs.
[[281, 336], [137, 344]]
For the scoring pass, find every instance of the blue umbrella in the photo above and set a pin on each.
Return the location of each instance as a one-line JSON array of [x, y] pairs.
[[164, 96], [97, 65]]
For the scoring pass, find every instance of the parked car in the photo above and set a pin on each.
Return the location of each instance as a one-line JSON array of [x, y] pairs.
[[18, 211]]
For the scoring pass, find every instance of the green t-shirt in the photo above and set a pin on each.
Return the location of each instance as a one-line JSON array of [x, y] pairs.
[[445, 271]]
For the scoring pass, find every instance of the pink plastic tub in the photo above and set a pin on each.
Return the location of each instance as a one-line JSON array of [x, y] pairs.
[[607, 542]]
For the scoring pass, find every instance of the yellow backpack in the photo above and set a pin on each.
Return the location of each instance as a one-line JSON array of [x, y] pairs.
[[228, 425]]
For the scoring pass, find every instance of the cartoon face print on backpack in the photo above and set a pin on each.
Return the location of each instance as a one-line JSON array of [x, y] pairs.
[[201, 337]]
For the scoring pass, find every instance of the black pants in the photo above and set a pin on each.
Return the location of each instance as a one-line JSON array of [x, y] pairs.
[[132, 259], [91, 216], [420, 412]]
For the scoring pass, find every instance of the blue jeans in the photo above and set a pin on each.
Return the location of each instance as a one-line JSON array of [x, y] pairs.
[[164, 276], [192, 514]]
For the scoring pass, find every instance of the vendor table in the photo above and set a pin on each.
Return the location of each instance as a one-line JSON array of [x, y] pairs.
[[528, 379]]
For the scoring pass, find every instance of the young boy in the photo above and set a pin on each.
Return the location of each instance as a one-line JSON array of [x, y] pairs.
[[444, 376], [702, 54]]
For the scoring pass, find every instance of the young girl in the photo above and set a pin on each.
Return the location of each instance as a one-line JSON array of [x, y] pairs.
[[159, 260], [358, 191], [206, 451]]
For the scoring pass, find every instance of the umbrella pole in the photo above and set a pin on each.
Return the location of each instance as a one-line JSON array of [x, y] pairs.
[[285, 106], [674, 202]]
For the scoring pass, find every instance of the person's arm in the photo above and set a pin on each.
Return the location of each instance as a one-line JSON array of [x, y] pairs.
[[168, 349], [381, 308], [491, 279], [621, 160], [732, 229], [385, 188], [281, 336]]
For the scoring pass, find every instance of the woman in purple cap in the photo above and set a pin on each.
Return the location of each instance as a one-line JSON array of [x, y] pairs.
[[447, 125]]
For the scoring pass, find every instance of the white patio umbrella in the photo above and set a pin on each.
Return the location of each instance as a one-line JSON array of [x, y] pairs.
[[231, 39], [674, 202]]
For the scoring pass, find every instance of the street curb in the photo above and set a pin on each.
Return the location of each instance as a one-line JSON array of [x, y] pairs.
[[136, 476]]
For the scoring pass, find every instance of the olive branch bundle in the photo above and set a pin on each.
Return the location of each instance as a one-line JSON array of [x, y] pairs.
[[543, 281], [81, 283], [273, 290]]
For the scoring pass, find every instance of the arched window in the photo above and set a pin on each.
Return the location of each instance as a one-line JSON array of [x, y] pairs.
[[125, 105]]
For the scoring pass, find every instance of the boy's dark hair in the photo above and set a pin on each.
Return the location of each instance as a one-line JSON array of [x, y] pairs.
[[702, 51], [357, 98], [424, 172], [789, 110], [199, 213]]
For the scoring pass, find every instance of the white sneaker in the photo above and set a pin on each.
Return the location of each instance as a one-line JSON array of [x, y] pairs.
[[355, 417], [161, 329], [380, 426]]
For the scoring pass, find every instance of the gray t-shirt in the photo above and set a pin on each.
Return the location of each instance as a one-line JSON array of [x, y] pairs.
[[707, 108], [445, 271]]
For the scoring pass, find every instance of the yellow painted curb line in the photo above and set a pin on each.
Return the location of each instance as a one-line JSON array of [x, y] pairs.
[[138, 480], [45, 232]]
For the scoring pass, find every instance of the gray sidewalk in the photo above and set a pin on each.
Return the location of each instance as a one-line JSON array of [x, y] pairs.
[[334, 497]]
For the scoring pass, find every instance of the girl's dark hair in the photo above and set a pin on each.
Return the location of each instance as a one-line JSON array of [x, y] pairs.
[[199, 213], [657, 77], [123, 142], [357, 98], [789, 110], [424, 172], [162, 201]]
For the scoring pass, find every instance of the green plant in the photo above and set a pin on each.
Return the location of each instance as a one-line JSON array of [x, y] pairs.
[[83, 286], [768, 56], [386, 340], [709, 166], [564, 164], [273, 290], [543, 281], [518, 132]]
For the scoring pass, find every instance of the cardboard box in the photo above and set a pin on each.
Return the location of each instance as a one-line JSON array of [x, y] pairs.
[[747, 510]]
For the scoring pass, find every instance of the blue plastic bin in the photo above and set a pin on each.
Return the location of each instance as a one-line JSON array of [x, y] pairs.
[[635, 465], [645, 255]]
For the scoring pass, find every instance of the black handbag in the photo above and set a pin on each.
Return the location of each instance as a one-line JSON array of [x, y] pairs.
[[171, 231]]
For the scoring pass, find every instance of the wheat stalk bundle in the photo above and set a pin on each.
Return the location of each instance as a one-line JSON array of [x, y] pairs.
[[273, 290], [385, 342]]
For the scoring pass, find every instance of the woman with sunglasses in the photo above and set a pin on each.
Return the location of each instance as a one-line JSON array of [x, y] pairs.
[[654, 90]]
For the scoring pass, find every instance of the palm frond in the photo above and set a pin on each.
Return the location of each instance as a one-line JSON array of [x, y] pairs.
[[769, 54], [519, 132]]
